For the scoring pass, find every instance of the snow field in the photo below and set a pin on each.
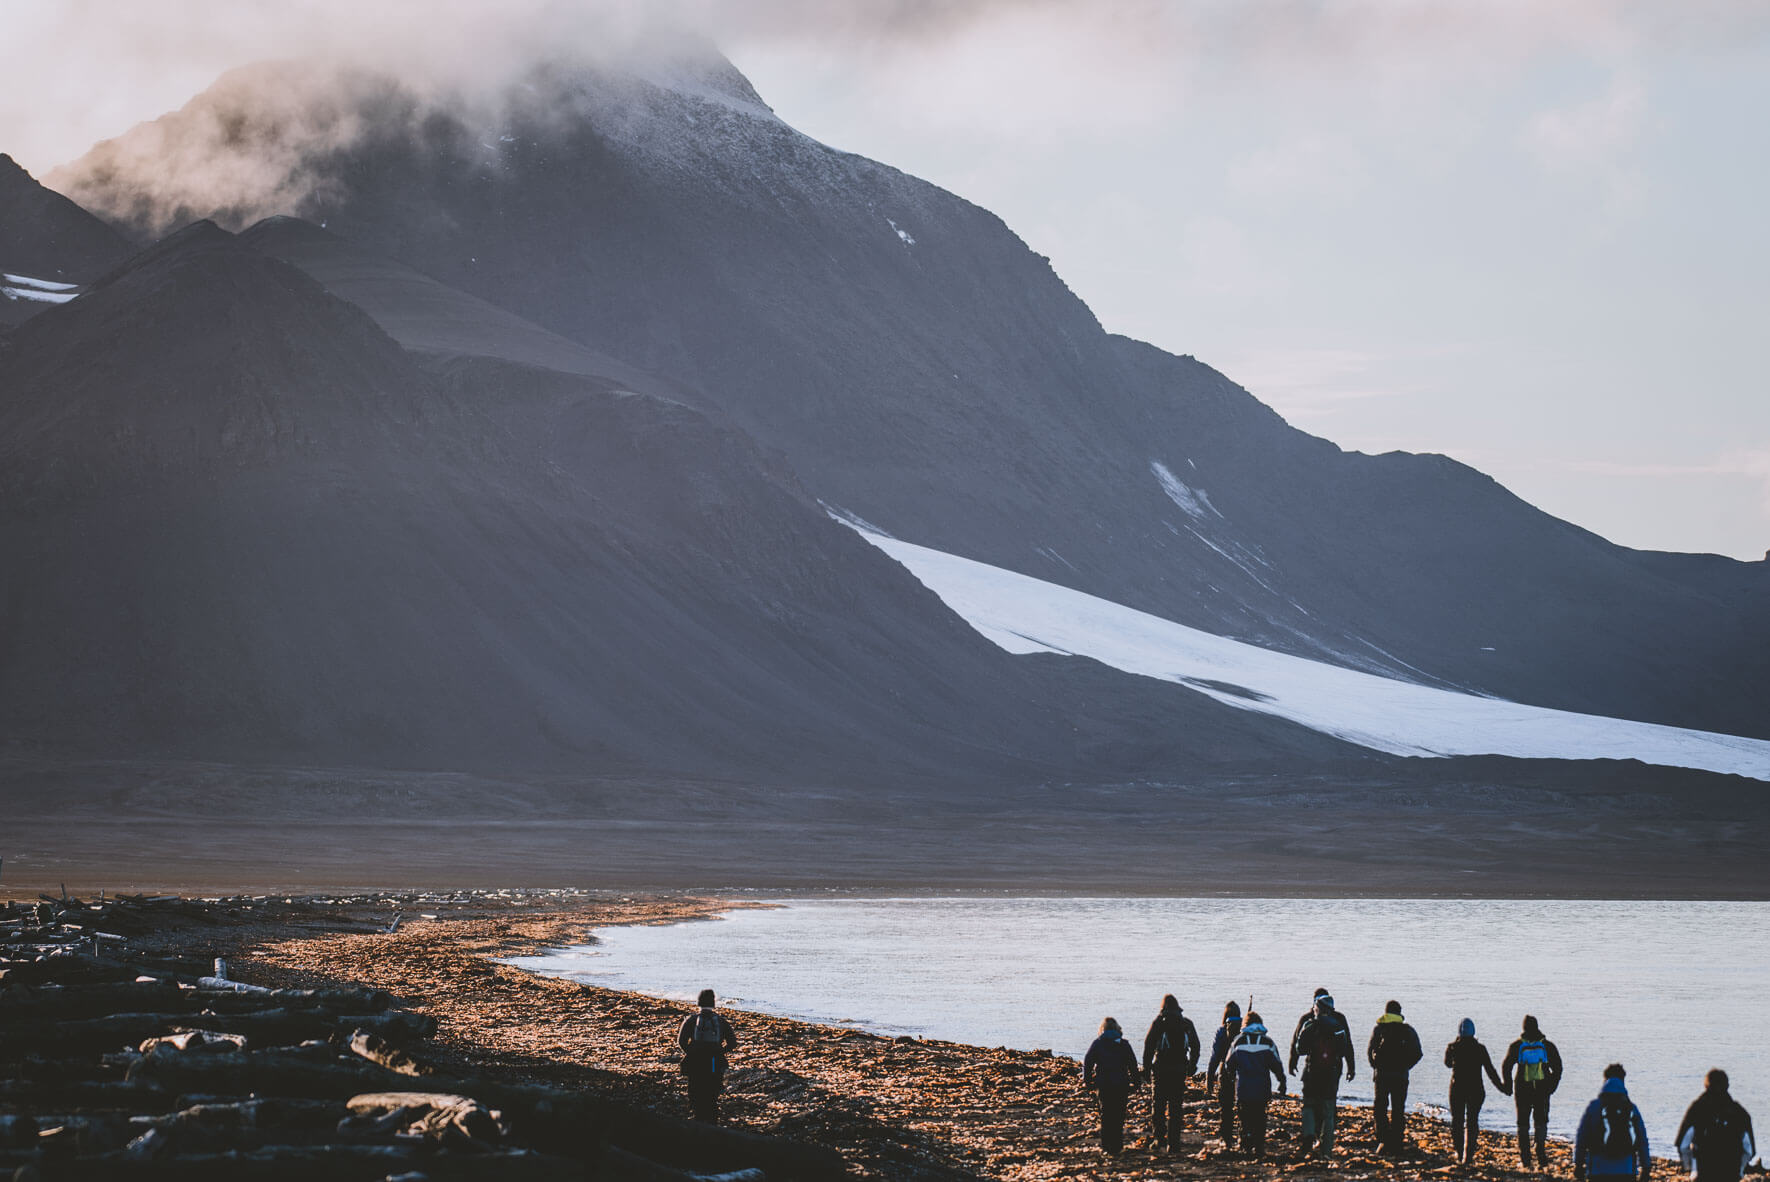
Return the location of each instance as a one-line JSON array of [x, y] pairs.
[[1027, 615]]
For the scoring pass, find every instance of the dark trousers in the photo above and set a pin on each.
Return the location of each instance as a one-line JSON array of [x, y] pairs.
[[1389, 1114], [1252, 1112], [1321, 1113], [1533, 1105], [703, 1095], [1226, 1107], [1465, 1123], [1112, 1118], [1168, 1107], [1723, 1167]]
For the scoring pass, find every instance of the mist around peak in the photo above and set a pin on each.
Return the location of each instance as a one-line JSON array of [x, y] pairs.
[[276, 137]]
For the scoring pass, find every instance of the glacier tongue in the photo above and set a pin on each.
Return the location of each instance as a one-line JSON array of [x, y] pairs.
[[1027, 615]]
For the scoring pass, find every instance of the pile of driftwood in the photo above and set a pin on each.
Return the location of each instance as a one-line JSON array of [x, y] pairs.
[[117, 1062]]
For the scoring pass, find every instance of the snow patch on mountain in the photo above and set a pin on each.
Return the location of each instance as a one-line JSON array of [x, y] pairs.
[[41, 291], [1192, 501], [39, 284], [1027, 615]]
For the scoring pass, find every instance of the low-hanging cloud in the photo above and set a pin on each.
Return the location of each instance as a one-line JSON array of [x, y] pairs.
[[81, 70], [246, 147]]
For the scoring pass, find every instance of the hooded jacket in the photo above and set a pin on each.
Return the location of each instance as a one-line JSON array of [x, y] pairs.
[[1110, 1063], [1589, 1158], [1394, 1047], [1253, 1060]]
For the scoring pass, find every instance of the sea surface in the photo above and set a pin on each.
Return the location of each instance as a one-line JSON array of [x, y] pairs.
[[1667, 989]]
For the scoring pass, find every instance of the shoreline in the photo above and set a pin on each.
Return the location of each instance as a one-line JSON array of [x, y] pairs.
[[896, 1106], [91, 882]]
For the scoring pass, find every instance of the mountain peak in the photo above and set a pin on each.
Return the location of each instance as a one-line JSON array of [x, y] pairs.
[[46, 236]]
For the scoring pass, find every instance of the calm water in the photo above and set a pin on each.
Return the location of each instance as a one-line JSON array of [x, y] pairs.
[[1668, 989]]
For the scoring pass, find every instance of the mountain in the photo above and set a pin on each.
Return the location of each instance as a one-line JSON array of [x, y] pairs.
[[244, 523], [48, 244], [922, 370]]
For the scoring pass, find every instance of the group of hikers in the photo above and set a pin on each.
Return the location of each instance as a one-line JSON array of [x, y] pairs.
[[1715, 1138]]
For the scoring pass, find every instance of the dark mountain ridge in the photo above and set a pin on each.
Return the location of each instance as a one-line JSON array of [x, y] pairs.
[[245, 524], [46, 236], [920, 367]]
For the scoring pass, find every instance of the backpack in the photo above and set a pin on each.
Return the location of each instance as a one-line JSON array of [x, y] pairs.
[[1722, 1130], [706, 1029], [1321, 1044], [1173, 1046], [1533, 1061], [1617, 1126]]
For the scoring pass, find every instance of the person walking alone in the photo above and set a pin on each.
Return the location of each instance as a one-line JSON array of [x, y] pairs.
[[1110, 1070], [1170, 1056], [1253, 1063], [1221, 1082], [1324, 1044], [1393, 1050], [1716, 1135], [1612, 1140], [1467, 1059], [1533, 1071], [706, 1038]]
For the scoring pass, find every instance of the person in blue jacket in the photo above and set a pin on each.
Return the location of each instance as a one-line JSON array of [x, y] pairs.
[[1253, 1063], [1612, 1140], [1110, 1070]]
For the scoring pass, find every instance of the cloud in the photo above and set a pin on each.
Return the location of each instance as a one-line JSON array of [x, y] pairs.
[[79, 70]]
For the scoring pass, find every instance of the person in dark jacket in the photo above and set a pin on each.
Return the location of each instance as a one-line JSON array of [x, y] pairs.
[[1253, 1063], [706, 1038], [1110, 1070], [1170, 1056], [1221, 1082], [1467, 1059], [1612, 1140], [1393, 1050], [1716, 1135], [1324, 1043], [1532, 1070]]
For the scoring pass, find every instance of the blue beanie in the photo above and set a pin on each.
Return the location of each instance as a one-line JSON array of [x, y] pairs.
[[1466, 1028]]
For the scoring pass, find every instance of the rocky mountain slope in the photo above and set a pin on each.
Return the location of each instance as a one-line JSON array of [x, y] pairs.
[[243, 523], [921, 369]]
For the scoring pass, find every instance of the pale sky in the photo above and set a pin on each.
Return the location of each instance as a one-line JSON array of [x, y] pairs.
[[1530, 236]]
